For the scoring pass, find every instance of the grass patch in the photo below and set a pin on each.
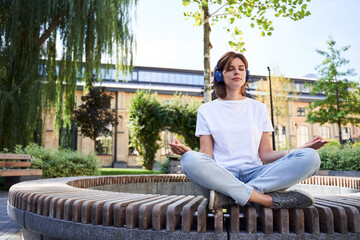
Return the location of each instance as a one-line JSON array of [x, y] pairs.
[[125, 171]]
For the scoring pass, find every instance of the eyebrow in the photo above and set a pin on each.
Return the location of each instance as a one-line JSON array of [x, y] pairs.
[[242, 65]]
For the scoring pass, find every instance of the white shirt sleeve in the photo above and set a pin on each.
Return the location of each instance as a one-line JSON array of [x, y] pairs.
[[267, 125], [202, 127]]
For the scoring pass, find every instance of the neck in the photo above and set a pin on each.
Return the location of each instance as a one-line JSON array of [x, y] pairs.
[[232, 95]]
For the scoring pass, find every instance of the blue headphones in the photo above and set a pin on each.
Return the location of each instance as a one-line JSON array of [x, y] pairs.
[[220, 77]]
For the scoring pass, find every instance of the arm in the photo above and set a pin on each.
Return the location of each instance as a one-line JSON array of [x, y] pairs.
[[207, 145], [267, 155]]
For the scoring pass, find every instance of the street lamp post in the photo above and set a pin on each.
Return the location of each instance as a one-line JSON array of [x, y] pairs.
[[272, 111]]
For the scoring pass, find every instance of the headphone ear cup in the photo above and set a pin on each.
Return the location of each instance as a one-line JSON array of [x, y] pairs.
[[219, 76], [247, 76]]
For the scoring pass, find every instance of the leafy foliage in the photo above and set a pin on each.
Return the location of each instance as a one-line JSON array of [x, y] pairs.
[[341, 104], [61, 163], [94, 115], [35, 75], [146, 120], [257, 11], [281, 88], [181, 119], [335, 157], [147, 117]]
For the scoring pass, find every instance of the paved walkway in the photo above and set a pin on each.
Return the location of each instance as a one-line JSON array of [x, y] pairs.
[[9, 230]]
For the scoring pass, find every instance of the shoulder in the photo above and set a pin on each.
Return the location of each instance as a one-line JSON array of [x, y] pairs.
[[256, 103], [208, 106]]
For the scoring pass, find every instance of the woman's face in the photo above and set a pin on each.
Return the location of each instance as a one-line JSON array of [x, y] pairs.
[[235, 74]]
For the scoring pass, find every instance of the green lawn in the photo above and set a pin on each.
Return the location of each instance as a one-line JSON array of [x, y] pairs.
[[125, 171]]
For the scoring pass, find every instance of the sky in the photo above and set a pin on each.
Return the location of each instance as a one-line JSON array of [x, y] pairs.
[[165, 39]]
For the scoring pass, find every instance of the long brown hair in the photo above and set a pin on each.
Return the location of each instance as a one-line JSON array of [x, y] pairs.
[[222, 64]]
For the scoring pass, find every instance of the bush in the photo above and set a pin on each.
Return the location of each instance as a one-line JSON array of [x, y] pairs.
[[334, 157], [61, 163], [164, 166], [147, 117], [181, 118], [145, 122]]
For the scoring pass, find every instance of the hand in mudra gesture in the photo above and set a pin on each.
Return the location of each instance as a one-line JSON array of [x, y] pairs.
[[316, 143], [178, 148]]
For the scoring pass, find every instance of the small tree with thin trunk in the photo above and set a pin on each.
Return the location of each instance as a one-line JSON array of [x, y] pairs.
[[233, 11], [341, 104], [95, 115]]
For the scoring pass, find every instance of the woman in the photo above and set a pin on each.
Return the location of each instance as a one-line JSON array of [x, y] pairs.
[[236, 158]]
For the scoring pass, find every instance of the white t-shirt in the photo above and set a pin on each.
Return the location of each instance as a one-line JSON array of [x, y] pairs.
[[236, 127]]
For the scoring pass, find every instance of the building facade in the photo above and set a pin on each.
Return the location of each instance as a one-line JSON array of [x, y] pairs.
[[116, 151]]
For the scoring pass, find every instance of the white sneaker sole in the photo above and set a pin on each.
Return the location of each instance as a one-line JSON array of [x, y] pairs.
[[211, 199]]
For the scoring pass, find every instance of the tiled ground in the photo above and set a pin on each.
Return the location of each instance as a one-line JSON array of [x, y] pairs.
[[9, 230]]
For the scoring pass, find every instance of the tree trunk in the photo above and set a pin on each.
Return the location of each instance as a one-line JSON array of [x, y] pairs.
[[207, 47], [338, 110]]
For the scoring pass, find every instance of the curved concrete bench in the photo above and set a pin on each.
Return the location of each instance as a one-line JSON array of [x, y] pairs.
[[169, 207]]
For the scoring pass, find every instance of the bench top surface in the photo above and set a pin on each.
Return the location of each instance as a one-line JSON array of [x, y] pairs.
[[15, 157]]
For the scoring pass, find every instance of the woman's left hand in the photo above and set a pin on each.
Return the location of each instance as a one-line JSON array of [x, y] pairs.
[[316, 143]]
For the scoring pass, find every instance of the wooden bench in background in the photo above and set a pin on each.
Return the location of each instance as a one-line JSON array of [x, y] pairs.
[[16, 168]]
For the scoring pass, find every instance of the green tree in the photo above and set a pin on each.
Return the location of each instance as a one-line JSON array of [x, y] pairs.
[[95, 115], [36, 73], [341, 104], [232, 11], [146, 120], [282, 94], [181, 119]]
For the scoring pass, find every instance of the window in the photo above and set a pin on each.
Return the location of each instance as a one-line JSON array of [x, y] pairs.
[[103, 143], [345, 132], [297, 87], [301, 111], [280, 137], [325, 132], [305, 89], [302, 135]]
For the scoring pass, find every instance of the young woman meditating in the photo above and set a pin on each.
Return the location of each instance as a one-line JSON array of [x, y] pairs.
[[236, 158]]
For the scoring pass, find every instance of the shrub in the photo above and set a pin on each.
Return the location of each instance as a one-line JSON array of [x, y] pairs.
[[61, 163], [181, 119], [147, 117], [145, 122], [164, 166], [334, 157]]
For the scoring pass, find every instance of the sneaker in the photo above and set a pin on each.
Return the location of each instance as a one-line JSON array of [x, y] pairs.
[[291, 199], [219, 200]]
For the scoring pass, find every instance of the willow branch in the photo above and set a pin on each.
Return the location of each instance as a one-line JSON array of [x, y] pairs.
[[51, 27]]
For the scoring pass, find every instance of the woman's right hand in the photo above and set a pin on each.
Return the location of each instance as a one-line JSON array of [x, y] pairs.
[[178, 148]]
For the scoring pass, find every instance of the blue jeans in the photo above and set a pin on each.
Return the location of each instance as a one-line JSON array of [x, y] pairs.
[[278, 175]]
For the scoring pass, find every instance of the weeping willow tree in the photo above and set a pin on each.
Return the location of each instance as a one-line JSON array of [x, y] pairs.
[[49, 45]]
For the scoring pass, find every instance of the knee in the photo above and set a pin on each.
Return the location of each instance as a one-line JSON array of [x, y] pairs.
[[189, 159], [311, 159]]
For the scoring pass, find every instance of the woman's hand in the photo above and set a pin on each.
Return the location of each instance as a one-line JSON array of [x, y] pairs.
[[178, 148], [316, 143]]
